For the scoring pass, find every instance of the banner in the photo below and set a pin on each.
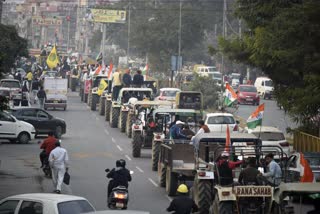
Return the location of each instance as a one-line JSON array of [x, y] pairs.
[[87, 86], [38, 20], [107, 16]]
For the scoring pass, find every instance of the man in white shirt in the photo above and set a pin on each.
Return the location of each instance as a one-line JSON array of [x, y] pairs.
[[58, 160]]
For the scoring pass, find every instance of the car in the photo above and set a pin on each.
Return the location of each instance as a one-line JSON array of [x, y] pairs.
[[264, 87], [41, 120], [13, 86], [15, 130], [47, 203], [235, 83], [248, 94], [168, 94], [217, 122], [271, 136]]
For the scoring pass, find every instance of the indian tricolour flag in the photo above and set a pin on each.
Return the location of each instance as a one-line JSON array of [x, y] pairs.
[[231, 96], [255, 118]]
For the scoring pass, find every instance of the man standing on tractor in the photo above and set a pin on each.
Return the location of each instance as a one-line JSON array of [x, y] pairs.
[[225, 167], [138, 79], [126, 79], [116, 82], [182, 204]]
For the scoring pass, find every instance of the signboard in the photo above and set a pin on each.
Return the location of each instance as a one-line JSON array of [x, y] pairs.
[[38, 20], [176, 63], [108, 16], [253, 191], [87, 86]]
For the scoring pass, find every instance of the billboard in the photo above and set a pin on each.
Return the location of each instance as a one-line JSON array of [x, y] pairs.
[[108, 16], [38, 20]]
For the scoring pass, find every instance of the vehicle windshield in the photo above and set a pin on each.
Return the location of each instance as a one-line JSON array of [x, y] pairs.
[[221, 120], [270, 136], [74, 207], [212, 69], [169, 93], [247, 89], [269, 83], [217, 75], [10, 84]]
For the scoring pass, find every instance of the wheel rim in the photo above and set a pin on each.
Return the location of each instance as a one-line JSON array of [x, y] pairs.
[[24, 138]]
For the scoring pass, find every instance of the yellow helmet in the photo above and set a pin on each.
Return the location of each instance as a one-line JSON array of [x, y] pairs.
[[182, 188]]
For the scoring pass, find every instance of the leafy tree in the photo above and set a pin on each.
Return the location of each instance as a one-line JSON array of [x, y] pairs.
[[11, 46], [283, 41]]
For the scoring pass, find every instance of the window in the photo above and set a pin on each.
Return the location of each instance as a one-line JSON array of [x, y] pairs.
[[269, 83], [42, 115], [221, 120], [247, 89], [31, 207], [74, 207], [28, 113], [270, 136], [5, 117], [8, 207], [10, 84]]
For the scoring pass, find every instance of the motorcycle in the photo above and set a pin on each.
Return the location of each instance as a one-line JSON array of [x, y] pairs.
[[119, 196], [45, 163]]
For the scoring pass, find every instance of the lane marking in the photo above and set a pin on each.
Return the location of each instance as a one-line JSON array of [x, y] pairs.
[[169, 198], [138, 168], [154, 183], [106, 131], [119, 148], [127, 156], [97, 118], [113, 140]]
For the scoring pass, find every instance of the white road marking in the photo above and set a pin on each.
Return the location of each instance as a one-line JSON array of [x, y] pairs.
[[97, 118], [138, 168], [106, 131], [119, 148], [127, 156], [169, 198], [113, 140], [154, 183]]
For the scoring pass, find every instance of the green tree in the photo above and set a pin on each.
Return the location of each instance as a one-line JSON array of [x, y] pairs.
[[283, 41], [11, 46]]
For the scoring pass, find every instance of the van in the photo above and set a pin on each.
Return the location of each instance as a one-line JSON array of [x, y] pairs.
[[205, 71], [264, 87]]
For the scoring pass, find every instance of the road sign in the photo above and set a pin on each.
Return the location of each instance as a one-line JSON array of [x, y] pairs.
[[44, 21], [176, 64], [108, 16]]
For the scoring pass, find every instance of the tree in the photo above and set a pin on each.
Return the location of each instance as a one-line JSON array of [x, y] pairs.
[[283, 41], [11, 46]]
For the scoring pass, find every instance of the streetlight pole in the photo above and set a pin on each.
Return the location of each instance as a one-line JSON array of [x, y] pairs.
[[179, 49], [69, 19], [129, 29]]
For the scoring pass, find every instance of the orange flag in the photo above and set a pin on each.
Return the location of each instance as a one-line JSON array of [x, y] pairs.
[[306, 172], [97, 71], [110, 70], [228, 141]]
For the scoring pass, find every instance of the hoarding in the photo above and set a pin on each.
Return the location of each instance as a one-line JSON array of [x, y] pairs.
[[108, 16], [38, 20]]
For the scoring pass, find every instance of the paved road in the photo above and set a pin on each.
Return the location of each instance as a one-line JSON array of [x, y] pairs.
[[273, 116]]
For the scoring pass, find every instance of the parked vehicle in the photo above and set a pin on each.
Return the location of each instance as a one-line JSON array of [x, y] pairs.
[[168, 94], [42, 121], [56, 90], [235, 83], [217, 122], [14, 129], [45, 203], [264, 87], [13, 87], [247, 94], [217, 77]]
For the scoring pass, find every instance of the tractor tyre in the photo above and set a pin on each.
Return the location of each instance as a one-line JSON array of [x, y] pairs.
[[224, 207], [155, 154], [114, 117], [107, 110], [136, 145], [93, 103], [123, 120], [102, 105], [162, 175], [129, 126], [171, 182]]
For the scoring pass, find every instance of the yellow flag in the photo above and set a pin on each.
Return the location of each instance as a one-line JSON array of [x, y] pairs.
[[102, 86], [53, 58]]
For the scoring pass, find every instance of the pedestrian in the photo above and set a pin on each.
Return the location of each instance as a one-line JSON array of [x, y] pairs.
[[274, 174], [116, 82], [29, 78], [225, 167], [127, 79], [138, 79], [42, 96], [248, 176], [182, 204], [35, 88], [59, 163]]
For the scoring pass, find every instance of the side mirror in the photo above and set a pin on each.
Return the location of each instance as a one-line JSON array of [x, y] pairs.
[[107, 170]]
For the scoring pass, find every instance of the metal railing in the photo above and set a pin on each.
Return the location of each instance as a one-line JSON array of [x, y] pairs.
[[304, 142]]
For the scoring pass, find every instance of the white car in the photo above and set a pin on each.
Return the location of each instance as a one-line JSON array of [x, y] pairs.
[[235, 83], [168, 94], [15, 130], [217, 122], [38, 203], [264, 87], [271, 136]]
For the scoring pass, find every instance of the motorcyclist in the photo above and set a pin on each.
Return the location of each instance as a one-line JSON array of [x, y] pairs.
[[48, 145], [120, 176], [182, 204]]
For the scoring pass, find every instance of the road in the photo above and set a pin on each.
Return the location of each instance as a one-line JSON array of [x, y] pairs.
[[273, 116]]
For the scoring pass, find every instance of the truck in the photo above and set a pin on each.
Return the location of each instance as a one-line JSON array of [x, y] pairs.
[[56, 89]]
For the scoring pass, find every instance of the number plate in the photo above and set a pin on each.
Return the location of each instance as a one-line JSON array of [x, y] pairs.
[[119, 205], [249, 99], [253, 191], [56, 101]]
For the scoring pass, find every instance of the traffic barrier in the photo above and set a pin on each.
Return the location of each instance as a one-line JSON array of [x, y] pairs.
[[304, 142]]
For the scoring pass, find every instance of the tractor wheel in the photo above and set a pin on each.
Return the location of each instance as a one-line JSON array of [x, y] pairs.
[[171, 182], [123, 118], [102, 105], [114, 117], [129, 126], [162, 174], [85, 98], [93, 103], [204, 195], [224, 207], [136, 145], [155, 154], [107, 110]]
